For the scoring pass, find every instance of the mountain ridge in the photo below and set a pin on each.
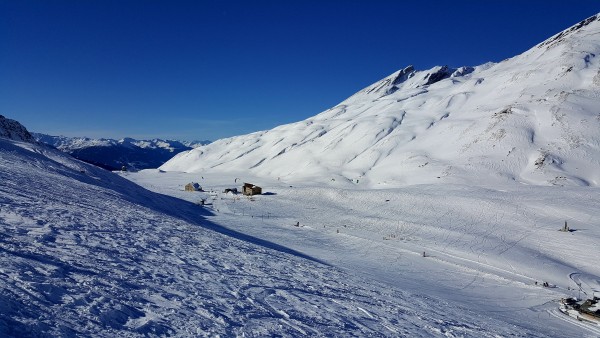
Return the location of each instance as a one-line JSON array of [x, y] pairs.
[[113, 154], [530, 119]]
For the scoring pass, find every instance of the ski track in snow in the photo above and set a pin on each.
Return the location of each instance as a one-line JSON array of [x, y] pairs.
[[485, 258]]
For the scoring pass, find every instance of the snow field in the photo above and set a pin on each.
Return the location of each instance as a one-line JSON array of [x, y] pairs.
[[85, 252], [485, 247]]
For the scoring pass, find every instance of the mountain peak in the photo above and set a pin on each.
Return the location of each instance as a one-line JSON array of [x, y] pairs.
[[439, 74], [408, 78], [13, 130], [531, 119], [564, 35], [402, 75]]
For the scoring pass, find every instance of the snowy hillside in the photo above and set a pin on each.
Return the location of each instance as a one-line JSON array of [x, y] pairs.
[[84, 252], [489, 250], [113, 154], [532, 119]]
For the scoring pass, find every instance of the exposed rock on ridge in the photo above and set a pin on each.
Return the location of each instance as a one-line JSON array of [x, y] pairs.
[[13, 130]]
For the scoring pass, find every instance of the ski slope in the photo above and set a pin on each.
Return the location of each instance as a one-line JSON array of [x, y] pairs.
[[486, 250], [84, 252], [450, 182]]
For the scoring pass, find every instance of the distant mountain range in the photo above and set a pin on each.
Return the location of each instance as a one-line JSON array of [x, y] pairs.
[[531, 119], [114, 154]]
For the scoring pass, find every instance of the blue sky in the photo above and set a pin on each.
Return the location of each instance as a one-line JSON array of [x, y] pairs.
[[212, 69]]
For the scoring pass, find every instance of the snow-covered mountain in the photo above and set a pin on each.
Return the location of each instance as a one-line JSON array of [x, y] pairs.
[[532, 119], [113, 154]]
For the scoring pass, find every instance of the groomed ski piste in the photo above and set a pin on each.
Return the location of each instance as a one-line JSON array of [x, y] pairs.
[[85, 252], [482, 249]]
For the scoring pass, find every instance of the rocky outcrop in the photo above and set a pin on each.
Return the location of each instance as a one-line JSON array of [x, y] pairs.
[[439, 75], [13, 130]]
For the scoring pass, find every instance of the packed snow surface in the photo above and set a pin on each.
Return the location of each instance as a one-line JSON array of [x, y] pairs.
[[482, 250], [86, 252]]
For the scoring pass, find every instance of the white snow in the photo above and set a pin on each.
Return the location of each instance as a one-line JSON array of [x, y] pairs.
[[485, 248], [475, 168], [85, 252]]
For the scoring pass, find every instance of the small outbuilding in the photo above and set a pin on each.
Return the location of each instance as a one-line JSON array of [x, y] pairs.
[[230, 190], [250, 189], [193, 187]]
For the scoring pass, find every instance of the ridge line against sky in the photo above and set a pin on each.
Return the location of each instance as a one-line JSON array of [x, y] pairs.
[[213, 69]]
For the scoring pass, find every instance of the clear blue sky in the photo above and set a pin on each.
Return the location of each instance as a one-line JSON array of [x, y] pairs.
[[213, 69]]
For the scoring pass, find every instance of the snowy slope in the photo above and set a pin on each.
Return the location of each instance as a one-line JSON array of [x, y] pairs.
[[84, 252], [486, 249], [113, 154], [532, 119]]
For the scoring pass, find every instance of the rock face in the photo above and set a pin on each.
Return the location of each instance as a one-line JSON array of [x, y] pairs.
[[531, 119], [560, 37], [114, 154], [439, 75], [13, 130]]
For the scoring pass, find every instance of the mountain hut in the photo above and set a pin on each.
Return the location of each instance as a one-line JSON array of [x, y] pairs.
[[193, 187], [250, 189]]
